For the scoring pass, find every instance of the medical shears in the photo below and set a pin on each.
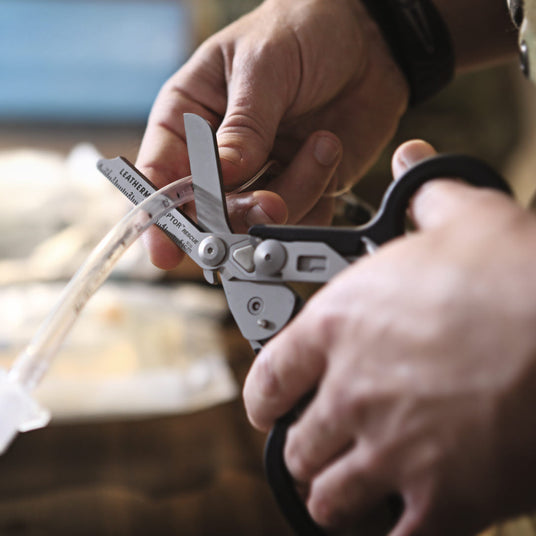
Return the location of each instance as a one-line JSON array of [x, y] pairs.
[[254, 268]]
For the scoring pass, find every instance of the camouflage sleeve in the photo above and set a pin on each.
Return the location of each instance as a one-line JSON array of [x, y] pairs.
[[523, 14]]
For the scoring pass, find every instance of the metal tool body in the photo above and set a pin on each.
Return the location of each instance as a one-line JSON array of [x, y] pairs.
[[255, 267]]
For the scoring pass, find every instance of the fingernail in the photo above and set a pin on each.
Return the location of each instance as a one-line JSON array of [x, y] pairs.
[[414, 153], [326, 151], [256, 215], [231, 154]]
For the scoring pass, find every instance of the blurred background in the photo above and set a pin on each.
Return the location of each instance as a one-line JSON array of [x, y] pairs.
[[148, 432]]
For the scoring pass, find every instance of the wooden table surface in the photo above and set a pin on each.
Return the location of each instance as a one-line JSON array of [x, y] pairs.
[[198, 474]]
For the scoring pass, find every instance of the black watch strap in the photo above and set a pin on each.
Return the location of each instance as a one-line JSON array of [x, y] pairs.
[[419, 41]]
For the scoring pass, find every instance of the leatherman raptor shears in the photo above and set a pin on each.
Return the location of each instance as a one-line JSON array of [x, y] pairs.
[[254, 268]]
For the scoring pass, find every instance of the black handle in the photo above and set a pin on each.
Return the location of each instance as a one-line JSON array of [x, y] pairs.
[[387, 224], [390, 220], [282, 483]]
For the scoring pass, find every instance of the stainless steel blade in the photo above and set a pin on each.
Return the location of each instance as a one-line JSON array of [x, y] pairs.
[[206, 175]]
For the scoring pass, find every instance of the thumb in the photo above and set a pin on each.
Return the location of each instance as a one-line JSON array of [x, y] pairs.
[[245, 139], [409, 154], [437, 202], [254, 111]]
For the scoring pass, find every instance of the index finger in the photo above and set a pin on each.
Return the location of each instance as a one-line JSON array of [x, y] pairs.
[[163, 155], [443, 201], [288, 368]]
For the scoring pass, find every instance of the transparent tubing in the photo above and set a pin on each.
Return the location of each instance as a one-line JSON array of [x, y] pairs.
[[33, 362]]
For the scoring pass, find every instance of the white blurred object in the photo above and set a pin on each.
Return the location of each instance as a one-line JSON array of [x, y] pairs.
[[136, 351], [20, 412], [158, 362], [63, 208]]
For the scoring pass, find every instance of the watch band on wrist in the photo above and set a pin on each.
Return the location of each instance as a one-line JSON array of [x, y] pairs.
[[419, 41]]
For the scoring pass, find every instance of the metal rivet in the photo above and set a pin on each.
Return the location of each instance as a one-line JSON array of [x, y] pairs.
[[255, 306]]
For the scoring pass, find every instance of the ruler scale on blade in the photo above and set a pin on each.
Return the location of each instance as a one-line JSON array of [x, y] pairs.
[[135, 187], [306, 261], [255, 267]]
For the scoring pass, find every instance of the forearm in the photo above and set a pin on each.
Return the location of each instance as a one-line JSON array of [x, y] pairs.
[[481, 31]]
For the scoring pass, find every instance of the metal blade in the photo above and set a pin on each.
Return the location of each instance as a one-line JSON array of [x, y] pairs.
[[206, 175], [136, 187]]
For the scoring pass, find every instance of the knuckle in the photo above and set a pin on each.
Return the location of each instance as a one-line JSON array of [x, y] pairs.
[[327, 414], [299, 461], [241, 122], [335, 504], [325, 324], [350, 405], [243, 117], [372, 462], [323, 509]]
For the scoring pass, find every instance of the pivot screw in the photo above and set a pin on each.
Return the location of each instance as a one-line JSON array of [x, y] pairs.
[[212, 251]]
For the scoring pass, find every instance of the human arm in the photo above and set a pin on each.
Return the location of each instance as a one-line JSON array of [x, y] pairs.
[[481, 32], [310, 83], [274, 83], [422, 358]]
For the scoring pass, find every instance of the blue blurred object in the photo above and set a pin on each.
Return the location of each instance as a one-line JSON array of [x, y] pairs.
[[88, 60]]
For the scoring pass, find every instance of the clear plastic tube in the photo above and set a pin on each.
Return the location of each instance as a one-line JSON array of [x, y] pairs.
[[19, 412], [33, 362]]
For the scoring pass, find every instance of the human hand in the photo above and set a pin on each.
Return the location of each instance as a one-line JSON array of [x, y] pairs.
[[422, 360], [294, 81]]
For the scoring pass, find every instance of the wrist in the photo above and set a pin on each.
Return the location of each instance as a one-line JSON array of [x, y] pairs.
[[387, 73], [419, 41], [481, 31]]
